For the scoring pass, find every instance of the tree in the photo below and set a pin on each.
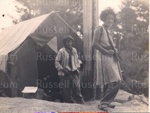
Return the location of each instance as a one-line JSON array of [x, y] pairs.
[[33, 8], [133, 22]]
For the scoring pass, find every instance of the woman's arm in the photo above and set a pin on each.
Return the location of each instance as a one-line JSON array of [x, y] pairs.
[[96, 45], [58, 60], [58, 65], [96, 38]]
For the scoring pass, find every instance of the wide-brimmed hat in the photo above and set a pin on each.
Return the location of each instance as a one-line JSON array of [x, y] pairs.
[[67, 38]]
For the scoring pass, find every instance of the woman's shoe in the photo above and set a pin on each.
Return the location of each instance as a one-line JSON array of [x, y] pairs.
[[111, 106], [103, 108], [80, 102]]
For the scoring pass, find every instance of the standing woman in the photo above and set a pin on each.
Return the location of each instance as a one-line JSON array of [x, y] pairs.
[[68, 65], [107, 70]]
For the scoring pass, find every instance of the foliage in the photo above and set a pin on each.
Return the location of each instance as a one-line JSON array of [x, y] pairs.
[[70, 9], [133, 23]]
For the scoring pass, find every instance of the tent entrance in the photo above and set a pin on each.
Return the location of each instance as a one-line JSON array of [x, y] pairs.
[[47, 73]]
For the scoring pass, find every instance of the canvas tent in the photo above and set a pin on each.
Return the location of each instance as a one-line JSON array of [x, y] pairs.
[[24, 47]]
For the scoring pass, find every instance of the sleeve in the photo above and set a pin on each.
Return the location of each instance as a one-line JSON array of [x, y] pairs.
[[96, 38], [78, 61], [97, 35], [58, 61]]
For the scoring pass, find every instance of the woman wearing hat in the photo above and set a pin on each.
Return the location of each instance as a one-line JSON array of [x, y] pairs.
[[68, 64], [107, 70]]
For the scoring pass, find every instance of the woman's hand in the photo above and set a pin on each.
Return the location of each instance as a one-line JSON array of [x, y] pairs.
[[66, 71], [110, 52], [116, 50]]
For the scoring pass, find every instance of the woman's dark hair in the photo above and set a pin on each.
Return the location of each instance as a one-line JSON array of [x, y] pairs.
[[68, 37], [107, 12]]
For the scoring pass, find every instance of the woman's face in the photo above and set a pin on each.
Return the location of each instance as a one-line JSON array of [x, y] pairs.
[[109, 20], [69, 44]]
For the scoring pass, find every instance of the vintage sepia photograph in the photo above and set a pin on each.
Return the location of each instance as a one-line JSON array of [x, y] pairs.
[[74, 56]]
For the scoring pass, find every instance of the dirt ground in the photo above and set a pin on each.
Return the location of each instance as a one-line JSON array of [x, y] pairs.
[[124, 102]]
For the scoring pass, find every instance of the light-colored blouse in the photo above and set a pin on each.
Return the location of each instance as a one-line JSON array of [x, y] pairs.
[[62, 61]]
